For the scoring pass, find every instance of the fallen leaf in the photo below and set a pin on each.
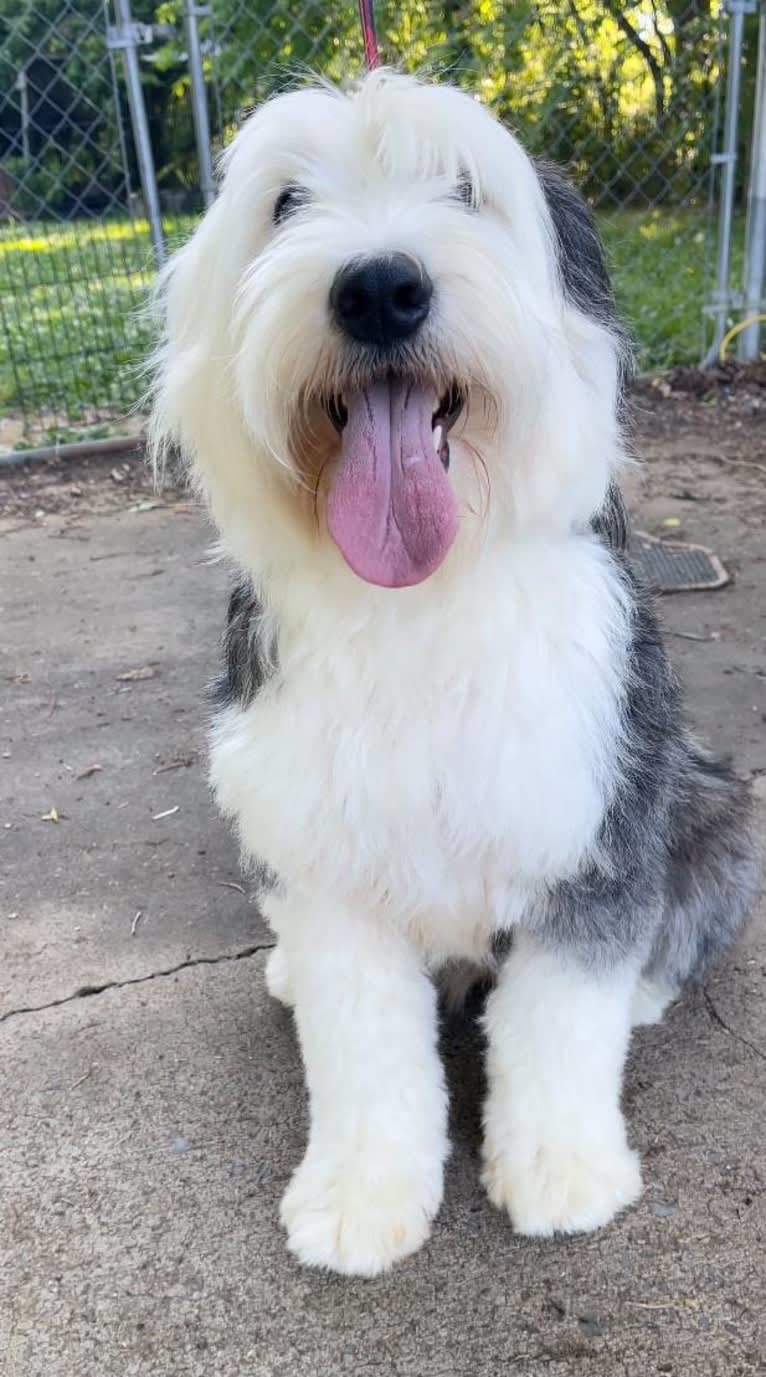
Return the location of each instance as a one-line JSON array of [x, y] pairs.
[[117, 475], [145, 506], [168, 813], [52, 816], [132, 675], [91, 770]]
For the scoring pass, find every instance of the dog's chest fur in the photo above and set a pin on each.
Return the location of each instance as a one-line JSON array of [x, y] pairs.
[[444, 754]]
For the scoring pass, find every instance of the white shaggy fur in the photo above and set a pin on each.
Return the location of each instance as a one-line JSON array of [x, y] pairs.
[[371, 1180], [555, 1154], [425, 761]]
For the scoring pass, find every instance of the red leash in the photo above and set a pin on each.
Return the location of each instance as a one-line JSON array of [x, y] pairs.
[[367, 16]]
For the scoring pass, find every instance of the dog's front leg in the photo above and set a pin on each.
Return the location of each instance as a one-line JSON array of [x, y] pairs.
[[371, 1180], [555, 1151]]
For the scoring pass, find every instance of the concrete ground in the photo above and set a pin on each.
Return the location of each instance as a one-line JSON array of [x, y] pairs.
[[151, 1097]]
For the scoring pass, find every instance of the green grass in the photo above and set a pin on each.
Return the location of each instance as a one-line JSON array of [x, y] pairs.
[[71, 296], [71, 322], [661, 280], [657, 264]]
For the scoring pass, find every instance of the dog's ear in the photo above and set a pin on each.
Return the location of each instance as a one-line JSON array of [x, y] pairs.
[[582, 263], [188, 285], [187, 309], [581, 259]]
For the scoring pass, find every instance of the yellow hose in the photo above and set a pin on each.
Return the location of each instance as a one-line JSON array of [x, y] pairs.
[[737, 330]]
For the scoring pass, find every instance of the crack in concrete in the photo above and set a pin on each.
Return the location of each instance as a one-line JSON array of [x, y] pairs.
[[87, 991], [715, 1017]]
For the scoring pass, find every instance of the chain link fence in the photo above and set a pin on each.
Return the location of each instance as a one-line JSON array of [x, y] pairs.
[[110, 120], [72, 253]]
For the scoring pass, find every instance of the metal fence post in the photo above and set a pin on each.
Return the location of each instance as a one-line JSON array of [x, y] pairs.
[[22, 86], [755, 239], [727, 159], [193, 12], [128, 37]]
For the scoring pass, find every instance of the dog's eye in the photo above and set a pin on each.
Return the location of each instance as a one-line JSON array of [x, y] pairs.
[[465, 191], [288, 201]]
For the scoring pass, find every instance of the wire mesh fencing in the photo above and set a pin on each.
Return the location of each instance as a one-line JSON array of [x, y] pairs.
[[72, 250], [109, 122]]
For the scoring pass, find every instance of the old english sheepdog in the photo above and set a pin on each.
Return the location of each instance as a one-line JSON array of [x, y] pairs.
[[446, 728]]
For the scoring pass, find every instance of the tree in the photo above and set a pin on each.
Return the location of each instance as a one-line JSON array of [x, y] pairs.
[[620, 92]]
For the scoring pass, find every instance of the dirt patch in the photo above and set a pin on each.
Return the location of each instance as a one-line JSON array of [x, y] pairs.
[[75, 488], [723, 378], [701, 439]]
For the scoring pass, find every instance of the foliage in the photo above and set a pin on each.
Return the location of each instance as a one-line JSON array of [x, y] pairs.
[[623, 93]]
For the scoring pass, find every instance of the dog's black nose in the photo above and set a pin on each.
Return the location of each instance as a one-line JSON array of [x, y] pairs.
[[381, 301]]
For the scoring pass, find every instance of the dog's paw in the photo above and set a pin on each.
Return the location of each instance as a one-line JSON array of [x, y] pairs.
[[556, 1189], [358, 1215], [278, 977]]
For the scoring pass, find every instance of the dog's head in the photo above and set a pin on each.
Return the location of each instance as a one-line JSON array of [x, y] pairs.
[[391, 328]]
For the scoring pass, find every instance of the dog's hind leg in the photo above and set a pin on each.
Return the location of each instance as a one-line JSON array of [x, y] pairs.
[[713, 877], [713, 874]]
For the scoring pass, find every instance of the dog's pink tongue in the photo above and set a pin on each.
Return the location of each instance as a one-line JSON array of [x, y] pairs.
[[391, 510]]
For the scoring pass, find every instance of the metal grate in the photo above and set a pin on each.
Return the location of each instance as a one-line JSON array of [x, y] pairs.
[[675, 568]]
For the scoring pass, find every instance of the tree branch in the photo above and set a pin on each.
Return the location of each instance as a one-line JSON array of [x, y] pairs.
[[666, 52], [601, 87], [658, 77]]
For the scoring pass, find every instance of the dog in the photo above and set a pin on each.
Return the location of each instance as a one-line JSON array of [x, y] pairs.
[[446, 728]]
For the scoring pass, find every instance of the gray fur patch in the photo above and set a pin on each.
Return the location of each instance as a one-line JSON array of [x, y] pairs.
[[611, 520], [713, 874], [581, 258], [249, 648], [676, 871]]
